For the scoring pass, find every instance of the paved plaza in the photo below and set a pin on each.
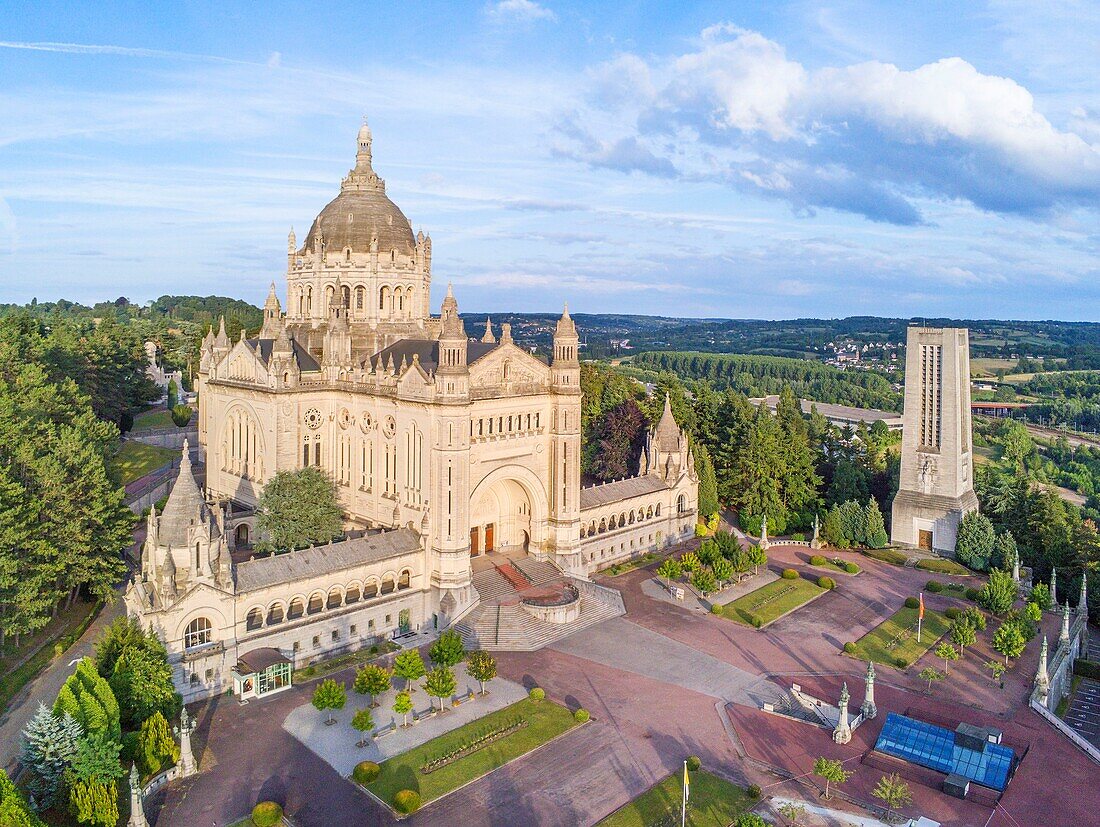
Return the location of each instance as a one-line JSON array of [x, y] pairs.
[[662, 682], [336, 743]]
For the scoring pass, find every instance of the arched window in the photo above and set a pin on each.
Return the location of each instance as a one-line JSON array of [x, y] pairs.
[[334, 599], [649, 513], [403, 580], [360, 294], [370, 590], [275, 614], [387, 584], [316, 603], [622, 520], [199, 633], [255, 619], [297, 609], [352, 595], [603, 525], [346, 292], [681, 504], [383, 297], [309, 299], [658, 511], [630, 519]]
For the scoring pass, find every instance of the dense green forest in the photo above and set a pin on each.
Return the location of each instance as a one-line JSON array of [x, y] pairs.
[[762, 375]]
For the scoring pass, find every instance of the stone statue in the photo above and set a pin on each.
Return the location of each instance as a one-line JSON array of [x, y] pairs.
[[187, 763], [1064, 636], [869, 710], [764, 532], [1054, 587], [816, 541], [1042, 677]]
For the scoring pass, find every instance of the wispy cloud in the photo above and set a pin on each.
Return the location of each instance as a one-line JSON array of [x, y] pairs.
[[519, 11]]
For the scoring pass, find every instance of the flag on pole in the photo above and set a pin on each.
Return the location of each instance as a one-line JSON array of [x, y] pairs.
[[920, 615]]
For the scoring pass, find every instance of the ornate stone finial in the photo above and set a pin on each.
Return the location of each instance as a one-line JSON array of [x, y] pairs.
[[843, 732], [506, 334], [185, 457], [1083, 603], [488, 338], [1042, 677], [763, 532], [187, 763], [1016, 567], [1064, 636], [869, 710], [137, 808], [1054, 587]]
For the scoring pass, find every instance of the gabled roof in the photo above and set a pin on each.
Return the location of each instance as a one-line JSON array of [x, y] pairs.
[[427, 350], [613, 492], [327, 559], [306, 362]]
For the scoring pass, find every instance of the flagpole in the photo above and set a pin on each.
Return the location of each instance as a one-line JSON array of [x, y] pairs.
[[684, 798], [920, 615]]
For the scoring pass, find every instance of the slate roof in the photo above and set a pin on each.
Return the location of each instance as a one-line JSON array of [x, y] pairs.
[[185, 506], [613, 492], [310, 562], [428, 351], [306, 362]]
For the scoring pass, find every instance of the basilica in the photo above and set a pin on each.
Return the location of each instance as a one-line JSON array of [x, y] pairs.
[[448, 452]]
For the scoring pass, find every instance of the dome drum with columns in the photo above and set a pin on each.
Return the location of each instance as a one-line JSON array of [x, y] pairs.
[[443, 449]]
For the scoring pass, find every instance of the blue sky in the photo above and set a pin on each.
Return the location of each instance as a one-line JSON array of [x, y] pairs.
[[734, 159]]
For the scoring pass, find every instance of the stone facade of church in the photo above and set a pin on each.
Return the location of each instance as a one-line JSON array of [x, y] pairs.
[[443, 448]]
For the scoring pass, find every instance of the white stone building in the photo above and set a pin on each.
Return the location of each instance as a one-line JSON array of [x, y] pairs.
[[443, 448]]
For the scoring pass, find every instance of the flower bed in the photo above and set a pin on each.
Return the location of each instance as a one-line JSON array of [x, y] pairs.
[[482, 740]]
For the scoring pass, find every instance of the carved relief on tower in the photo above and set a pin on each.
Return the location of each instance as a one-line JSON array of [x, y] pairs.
[[926, 473]]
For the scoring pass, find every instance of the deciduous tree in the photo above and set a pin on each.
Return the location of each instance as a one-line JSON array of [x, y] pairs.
[[482, 667], [440, 683], [832, 772], [409, 665], [372, 680], [329, 695], [447, 649], [298, 508], [403, 705]]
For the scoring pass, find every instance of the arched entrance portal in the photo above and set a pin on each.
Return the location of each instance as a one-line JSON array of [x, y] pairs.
[[508, 515]]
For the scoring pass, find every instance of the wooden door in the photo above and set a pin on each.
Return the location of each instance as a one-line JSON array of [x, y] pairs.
[[489, 537], [475, 540], [924, 540]]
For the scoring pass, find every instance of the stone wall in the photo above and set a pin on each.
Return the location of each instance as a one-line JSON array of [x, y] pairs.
[[1045, 699]]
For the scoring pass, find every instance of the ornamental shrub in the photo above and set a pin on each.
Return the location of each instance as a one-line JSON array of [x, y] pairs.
[[953, 613], [849, 647], [790, 574], [716, 609], [693, 763], [581, 716], [851, 568], [826, 582], [900, 662], [406, 801], [700, 530], [267, 814], [798, 537], [537, 694], [972, 594], [365, 772], [912, 603], [934, 586], [817, 560], [754, 791]]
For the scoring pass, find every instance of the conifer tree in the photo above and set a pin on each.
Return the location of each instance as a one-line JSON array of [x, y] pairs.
[[49, 744]]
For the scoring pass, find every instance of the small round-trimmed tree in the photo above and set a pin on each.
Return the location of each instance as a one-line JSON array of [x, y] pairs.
[[440, 683], [267, 814], [410, 666], [482, 667], [447, 649], [365, 772], [537, 693], [670, 570], [406, 801], [329, 695], [403, 705], [372, 680], [362, 722]]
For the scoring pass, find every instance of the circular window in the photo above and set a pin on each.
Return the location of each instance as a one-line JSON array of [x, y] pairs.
[[366, 422], [345, 418], [313, 419], [390, 426]]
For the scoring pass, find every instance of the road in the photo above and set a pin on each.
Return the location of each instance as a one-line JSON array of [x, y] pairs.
[[45, 687]]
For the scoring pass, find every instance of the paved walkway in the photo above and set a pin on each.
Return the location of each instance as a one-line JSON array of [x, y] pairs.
[[336, 743], [45, 687], [624, 645]]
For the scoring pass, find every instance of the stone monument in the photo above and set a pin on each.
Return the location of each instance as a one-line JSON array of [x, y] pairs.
[[937, 485], [187, 763], [764, 533], [869, 710], [1042, 677]]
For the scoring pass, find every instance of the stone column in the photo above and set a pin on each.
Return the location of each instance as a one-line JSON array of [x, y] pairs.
[[1016, 567], [1054, 587], [1064, 636], [1083, 604], [1042, 677], [764, 532], [187, 763], [816, 541], [137, 807], [869, 709], [843, 732]]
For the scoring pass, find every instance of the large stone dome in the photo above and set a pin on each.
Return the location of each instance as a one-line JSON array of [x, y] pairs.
[[353, 218], [362, 211]]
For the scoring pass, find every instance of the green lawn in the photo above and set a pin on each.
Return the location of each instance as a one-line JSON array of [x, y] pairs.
[[320, 669], [829, 564], [886, 555], [901, 627], [152, 419], [630, 565], [546, 720], [714, 802], [136, 459], [762, 606], [943, 566]]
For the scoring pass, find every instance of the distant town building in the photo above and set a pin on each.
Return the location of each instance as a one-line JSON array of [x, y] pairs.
[[840, 415], [158, 375]]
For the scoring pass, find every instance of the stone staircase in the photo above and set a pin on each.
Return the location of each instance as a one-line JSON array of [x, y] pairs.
[[500, 623]]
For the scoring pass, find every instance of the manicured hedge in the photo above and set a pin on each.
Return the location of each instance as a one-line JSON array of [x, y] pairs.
[[849, 647], [851, 568], [365, 772], [406, 801], [934, 586], [693, 763], [817, 560], [581, 716], [716, 609], [790, 574], [952, 613], [267, 814], [537, 694], [911, 603], [826, 582]]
